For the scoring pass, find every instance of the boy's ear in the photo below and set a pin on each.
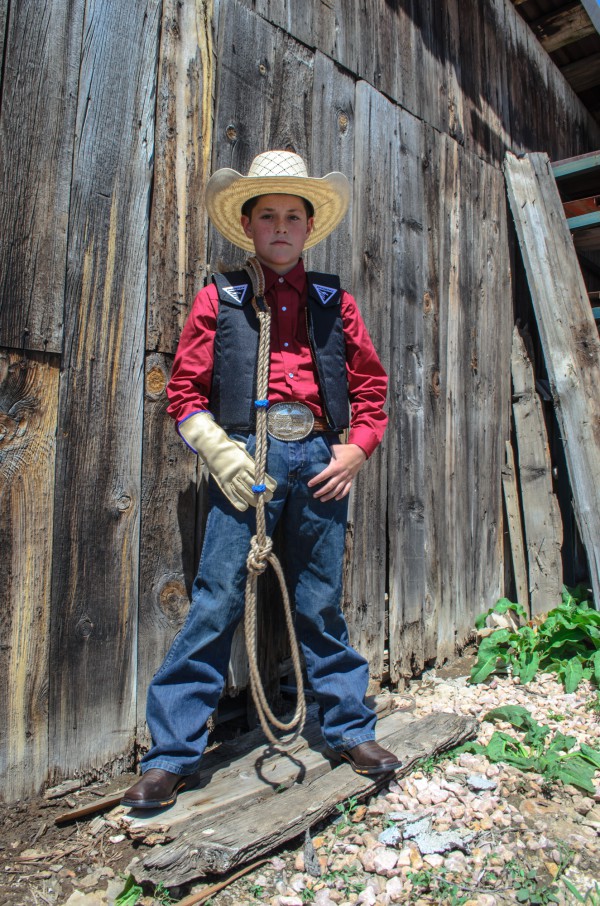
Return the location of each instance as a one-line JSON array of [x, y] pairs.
[[245, 221], [309, 226]]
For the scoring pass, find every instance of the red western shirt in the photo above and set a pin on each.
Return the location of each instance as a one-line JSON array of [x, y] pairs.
[[292, 373]]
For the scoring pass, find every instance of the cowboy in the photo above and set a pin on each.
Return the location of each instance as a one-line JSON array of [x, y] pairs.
[[324, 377]]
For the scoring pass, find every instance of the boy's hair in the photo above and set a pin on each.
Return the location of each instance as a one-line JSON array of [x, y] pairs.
[[251, 203]]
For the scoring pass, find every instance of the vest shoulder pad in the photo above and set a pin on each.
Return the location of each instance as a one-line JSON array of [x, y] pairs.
[[324, 288], [234, 288]]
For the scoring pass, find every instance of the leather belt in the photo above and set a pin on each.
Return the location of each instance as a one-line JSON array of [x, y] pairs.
[[291, 420]]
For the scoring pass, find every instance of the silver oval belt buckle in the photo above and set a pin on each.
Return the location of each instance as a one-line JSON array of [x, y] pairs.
[[289, 421]]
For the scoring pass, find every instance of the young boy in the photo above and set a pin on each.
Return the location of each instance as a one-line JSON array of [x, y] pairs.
[[322, 365]]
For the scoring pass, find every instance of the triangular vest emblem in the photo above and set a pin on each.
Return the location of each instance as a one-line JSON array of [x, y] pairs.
[[325, 293], [237, 293]]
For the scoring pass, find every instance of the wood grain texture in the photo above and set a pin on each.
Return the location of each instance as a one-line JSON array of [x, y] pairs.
[[541, 512], [168, 516], [28, 401], [3, 24], [332, 149], [515, 528], [568, 335], [178, 224], [365, 588], [43, 45], [239, 836], [96, 526], [405, 439], [473, 69]]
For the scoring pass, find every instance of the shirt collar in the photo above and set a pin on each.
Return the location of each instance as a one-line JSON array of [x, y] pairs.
[[296, 277]]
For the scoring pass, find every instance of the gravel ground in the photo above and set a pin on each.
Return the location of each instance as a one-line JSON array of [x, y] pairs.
[[459, 831]]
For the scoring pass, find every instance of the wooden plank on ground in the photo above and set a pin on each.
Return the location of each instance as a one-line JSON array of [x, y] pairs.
[[515, 528], [365, 586], [541, 512], [236, 835], [96, 526], [37, 122], [245, 771], [568, 334], [184, 114], [28, 402]]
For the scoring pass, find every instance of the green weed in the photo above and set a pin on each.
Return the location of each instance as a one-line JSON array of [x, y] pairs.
[[567, 642], [130, 894], [555, 759]]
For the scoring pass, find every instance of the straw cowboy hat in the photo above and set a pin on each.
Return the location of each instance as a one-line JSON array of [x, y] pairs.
[[275, 173]]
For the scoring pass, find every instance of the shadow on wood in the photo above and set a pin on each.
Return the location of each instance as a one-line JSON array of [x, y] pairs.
[[274, 798]]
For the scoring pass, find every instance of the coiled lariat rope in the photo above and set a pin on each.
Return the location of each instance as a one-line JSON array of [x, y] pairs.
[[261, 546]]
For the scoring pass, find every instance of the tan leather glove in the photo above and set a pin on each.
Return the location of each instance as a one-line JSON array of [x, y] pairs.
[[227, 460]]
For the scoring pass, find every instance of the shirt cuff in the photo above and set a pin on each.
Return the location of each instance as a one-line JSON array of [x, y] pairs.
[[363, 438]]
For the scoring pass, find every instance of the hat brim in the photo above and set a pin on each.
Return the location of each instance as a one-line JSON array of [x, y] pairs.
[[227, 191]]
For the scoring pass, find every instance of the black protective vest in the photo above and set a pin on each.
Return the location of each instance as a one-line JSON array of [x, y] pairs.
[[233, 389]]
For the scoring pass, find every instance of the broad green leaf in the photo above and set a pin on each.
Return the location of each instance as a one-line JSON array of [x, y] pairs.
[[518, 717], [573, 674], [576, 771], [592, 755], [490, 652], [528, 665], [595, 659], [560, 743]]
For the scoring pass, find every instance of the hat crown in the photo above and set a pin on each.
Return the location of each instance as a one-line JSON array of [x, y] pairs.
[[278, 163]]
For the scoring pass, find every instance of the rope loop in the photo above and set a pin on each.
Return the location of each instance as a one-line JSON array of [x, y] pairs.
[[261, 545]]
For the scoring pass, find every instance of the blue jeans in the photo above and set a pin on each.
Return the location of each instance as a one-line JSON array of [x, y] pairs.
[[186, 689]]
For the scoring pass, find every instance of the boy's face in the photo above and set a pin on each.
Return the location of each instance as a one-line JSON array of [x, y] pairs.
[[279, 227]]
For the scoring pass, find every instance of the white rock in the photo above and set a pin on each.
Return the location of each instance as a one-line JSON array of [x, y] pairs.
[[289, 901], [394, 888], [385, 861], [322, 898], [368, 897]]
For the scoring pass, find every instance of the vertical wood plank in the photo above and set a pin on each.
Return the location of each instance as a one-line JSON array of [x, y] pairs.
[[568, 334], [466, 420], [96, 528], [515, 528], [177, 267], [3, 26], [405, 438], [488, 306], [178, 226], [332, 148], [43, 44], [28, 401], [168, 515], [541, 512], [365, 592]]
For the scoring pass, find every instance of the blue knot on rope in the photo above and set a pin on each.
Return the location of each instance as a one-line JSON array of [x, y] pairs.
[[259, 488], [261, 404]]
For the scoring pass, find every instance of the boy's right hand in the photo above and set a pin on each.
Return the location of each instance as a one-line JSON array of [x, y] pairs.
[[227, 460]]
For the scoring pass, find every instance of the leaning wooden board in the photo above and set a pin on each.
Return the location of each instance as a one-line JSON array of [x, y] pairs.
[[568, 334], [235, 835]]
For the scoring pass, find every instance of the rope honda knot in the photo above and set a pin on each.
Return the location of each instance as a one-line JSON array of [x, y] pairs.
[[258, 555]]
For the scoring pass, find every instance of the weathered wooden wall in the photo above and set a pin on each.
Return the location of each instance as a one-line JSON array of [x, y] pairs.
[[112, 117]]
